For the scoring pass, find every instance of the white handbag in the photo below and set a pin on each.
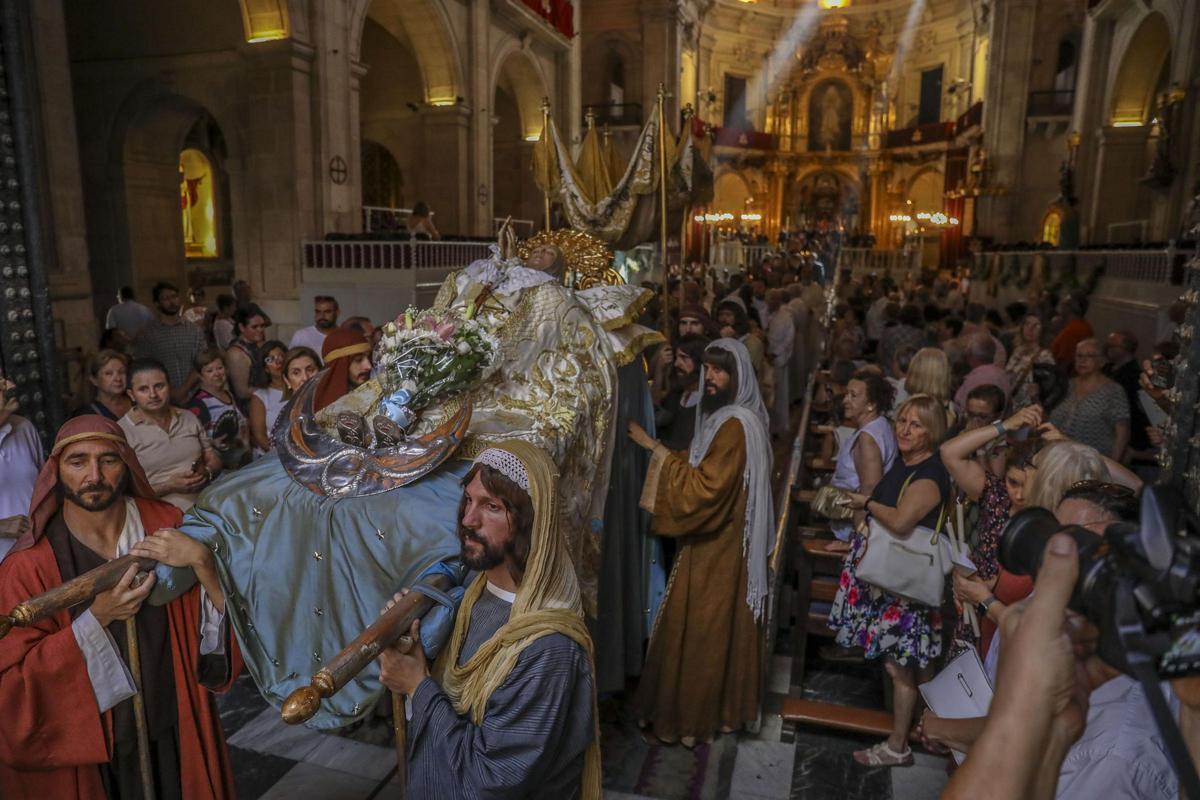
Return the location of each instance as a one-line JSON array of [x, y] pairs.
[[913, 567]]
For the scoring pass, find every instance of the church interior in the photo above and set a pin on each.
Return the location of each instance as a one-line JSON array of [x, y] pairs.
[[1015, 145]]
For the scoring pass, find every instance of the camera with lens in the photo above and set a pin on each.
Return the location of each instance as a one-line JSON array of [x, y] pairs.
[[1139, 582]]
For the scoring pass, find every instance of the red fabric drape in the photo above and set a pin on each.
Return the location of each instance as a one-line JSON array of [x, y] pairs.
[[53, 737]]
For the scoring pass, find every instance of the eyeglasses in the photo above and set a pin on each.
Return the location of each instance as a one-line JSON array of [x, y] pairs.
[[273, 359]]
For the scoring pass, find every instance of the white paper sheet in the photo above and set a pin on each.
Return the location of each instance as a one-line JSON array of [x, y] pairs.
[[960, 691]]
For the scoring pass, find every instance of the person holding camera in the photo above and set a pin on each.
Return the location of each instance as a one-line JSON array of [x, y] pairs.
[[906, 634], [1085, 729]]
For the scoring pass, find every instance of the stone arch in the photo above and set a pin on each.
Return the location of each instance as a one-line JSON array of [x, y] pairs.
[[927, 184], [1140, 71], [518, 87], [731, 190], [522, 76], [424, 26], [821, 193], [145, 232], [265, 20]]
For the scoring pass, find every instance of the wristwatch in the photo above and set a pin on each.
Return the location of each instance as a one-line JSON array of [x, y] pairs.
[[999, 426], [982, 608]]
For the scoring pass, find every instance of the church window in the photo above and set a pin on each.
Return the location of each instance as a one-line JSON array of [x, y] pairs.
[[197, 201], [930, 109], [735, 102], [1052, 228]]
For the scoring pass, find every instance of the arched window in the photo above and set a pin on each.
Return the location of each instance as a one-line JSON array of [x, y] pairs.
[[382, 182], [615, 74], [1052, 227], [197, 200], [1065, 67]]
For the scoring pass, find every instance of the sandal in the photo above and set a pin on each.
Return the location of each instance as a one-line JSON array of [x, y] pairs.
[[883, 756]]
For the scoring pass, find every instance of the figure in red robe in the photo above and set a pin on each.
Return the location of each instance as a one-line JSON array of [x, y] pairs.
[[69, 729], [347, 356]]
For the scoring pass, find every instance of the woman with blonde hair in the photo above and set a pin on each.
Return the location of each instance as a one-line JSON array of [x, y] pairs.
[[929, 374], [1064, 462], [906, 634]]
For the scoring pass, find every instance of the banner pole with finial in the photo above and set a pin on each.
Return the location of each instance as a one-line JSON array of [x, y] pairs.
[[685, 133], [549, 145], [662, 208]]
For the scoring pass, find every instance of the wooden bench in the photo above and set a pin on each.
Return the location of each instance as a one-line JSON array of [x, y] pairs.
[[833, 715]]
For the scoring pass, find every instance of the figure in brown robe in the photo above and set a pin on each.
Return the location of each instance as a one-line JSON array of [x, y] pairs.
[[55, 741], [703, 671]]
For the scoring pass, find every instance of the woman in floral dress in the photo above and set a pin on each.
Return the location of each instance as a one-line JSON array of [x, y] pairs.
[[999, 497], [906, 634]]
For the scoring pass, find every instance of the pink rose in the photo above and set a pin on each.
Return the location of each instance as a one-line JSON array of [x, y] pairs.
[[445, 330]]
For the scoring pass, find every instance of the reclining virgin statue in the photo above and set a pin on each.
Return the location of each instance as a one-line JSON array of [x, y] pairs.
[[313, 539]]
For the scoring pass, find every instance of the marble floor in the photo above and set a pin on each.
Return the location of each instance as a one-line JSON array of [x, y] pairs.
[[275, 761]]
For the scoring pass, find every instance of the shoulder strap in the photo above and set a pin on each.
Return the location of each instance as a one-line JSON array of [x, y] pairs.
[[937, 531]]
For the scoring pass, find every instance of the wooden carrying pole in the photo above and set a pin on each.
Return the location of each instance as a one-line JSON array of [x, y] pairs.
[[549, 146], [75, 591], [145, 768], [662, 209], [394, 623]]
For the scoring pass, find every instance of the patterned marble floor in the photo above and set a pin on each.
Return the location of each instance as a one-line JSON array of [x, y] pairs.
[[274, 761]]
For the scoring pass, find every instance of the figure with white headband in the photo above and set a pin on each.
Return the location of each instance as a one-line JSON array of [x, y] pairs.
[[703, 671], [508, 709]]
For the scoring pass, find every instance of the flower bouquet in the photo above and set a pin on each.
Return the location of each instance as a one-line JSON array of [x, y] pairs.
[[425, 356]]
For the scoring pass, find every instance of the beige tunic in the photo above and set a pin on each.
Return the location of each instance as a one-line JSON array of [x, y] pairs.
[[703, 669]]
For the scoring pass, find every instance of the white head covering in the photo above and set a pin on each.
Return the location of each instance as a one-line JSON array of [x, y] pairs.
[[504, 276], [507, 464], [748, 407]]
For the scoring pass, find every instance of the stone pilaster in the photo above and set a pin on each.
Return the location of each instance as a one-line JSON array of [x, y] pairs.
[[1010, 57], [446, 132]]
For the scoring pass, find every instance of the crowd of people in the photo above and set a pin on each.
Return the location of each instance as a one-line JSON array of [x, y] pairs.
[[941, 412], [944, 411]]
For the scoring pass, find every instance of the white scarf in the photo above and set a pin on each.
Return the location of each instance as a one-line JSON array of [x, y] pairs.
[[748, 408]]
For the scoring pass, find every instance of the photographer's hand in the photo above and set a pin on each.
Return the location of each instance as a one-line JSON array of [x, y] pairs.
[[1040, 705]]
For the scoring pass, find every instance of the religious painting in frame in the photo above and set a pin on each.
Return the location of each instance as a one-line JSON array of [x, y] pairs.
[[830, 113]]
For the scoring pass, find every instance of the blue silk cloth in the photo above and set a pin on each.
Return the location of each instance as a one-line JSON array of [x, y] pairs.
[[304, 575]]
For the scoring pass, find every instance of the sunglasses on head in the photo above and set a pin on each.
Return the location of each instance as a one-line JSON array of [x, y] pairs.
[[1101, 487]]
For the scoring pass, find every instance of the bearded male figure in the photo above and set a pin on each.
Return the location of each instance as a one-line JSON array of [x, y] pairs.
[[509, 708], [70, 729], [703, 670]]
